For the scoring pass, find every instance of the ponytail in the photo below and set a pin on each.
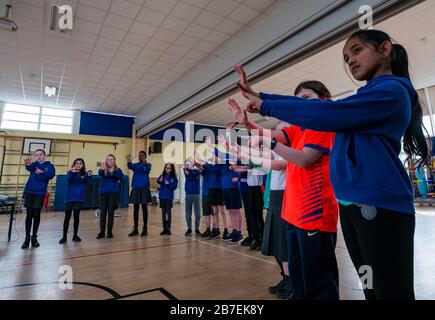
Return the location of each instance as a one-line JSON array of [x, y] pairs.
[[414, 140]]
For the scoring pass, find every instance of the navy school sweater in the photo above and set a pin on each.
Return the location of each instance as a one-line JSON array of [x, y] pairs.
[[211, 171], [75, 190], [109, 183], [168, 185], [192, 182], [205, 183], [141, 174], [226, 174], [38, 183], [364, 166]]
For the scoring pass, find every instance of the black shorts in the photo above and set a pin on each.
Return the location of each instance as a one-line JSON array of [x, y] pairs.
[[216, 197], [165, 204], [34, 201], [207, 209], [73, 205], [233, 199]]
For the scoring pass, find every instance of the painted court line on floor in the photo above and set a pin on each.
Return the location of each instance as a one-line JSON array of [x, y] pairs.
[[94, 255]]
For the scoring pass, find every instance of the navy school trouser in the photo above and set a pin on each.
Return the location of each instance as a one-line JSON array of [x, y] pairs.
[[312, 264]]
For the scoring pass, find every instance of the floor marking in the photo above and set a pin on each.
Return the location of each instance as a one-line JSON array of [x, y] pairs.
[[94, 255]]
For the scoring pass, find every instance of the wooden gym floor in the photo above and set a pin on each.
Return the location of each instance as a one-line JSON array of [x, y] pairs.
[[164, 267]]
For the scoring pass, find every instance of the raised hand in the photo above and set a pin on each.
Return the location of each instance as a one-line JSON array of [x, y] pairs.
[[240, 116], [89, 173], [255, 141], [222, 141], [207, 141], [27, 161], [129, 158], [74, 169], [234, 149], [103, 166], [243, 83], [254, 103]]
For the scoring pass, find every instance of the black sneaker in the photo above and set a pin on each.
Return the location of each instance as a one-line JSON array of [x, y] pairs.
[[164, 231], [215, 233], [168, 232], [144, 233], [225, 233], [197, 232], [188, 233], [274, 289], [237, 238], [77, 239], [246, 242], [26, 243], [109, 235], [253, 244], [101, 235], [63, 240], [259, 245], [133, 233], [286, 290], [35, 243], [229, 236], [206, 233]]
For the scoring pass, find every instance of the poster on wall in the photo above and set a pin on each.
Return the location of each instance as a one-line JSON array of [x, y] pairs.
[[31, 144]]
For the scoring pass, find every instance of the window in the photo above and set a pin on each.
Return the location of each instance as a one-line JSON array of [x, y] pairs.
[[22, 117]]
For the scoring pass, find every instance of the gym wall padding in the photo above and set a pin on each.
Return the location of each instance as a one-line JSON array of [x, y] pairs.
[[99, 124]]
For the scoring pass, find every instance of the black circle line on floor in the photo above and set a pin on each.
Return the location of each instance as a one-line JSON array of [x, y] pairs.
[[115, 295], [112, 292]]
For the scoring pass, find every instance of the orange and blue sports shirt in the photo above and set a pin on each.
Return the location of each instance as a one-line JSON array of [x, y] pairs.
[[309, 201]]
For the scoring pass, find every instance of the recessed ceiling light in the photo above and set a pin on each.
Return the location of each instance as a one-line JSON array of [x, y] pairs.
[[50, 91]]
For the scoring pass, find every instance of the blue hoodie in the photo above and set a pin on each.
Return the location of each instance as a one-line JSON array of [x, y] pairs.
[[205, 182], [38, 183], [75, 190], [109, 183], [211, 171], [227, 177], [192, 183], [141, 174], [364, 167], [167, 186]]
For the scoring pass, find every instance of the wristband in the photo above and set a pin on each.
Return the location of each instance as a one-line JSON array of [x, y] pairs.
[[273, 144]]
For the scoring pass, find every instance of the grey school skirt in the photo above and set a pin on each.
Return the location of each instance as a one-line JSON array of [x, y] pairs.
[[275, 228]]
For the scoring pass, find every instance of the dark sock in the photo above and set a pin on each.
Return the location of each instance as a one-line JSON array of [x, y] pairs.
[[36, 221], [29, 220], [145, 216], [135, 216], [76, 221], [68, 213]]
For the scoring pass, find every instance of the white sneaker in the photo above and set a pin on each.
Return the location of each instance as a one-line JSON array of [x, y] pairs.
[[117, 214], [97, 213]]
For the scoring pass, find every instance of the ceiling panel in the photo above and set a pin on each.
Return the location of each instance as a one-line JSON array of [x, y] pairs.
[[136, 48]]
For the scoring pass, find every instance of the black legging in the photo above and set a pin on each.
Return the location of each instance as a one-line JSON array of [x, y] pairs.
[[246, 209], [255, 212], [68, 213], [108, 202], [33, 215], [144, 215], [166, 216], [386, 245]]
